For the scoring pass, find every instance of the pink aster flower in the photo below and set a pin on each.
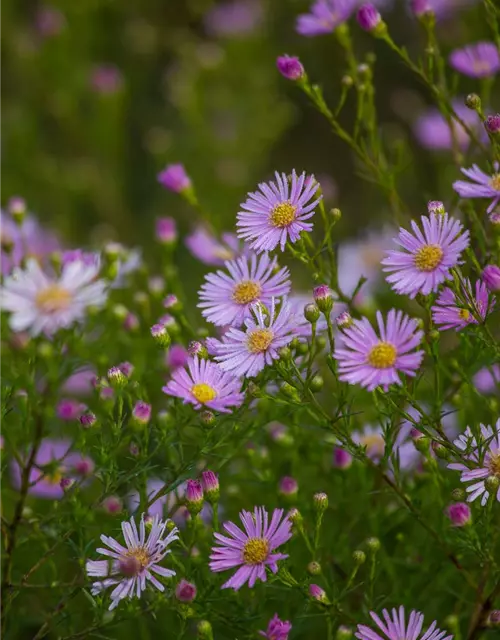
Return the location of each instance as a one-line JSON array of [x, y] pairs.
[[453, 312], [129, 569], [325, 16], [277, 629], [482, 185], [246, 353], [369, 360], [205, 384], [42, 303], [253, 549], [394, 627], [53, 461], [208, 249], [227, 299], [277, 213], [482, 458], [479, 60], [428, 257], [433, 131]]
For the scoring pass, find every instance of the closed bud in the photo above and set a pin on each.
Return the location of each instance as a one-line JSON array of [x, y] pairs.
[[295, 517], [314, 568], [359, 556], [210, 483], [495, 618], [285, 354], [88, 419], [112, 505], [290, 391], [312, 313], [172, 302], [458, 495], [196, 348], [316, 383], [290, 67], [45, 350], [320, 502], [320, 342], [208, 418], [141, 414], [166, 230], [342, 459], [343, 633], [66, 483], [347, 81], [440, 451], [302, 348], [492, 483], [194, 497], [205, 630], [373, 544], [422, 444], [288, 487], [435, 206], [116, 378], [369, 19], [492, 124], [323, 298], [459, 513], [318, 594], [491, 277], [185, 591], [17, 209], [473, 102], [344, 320], [452, 622], [160, 336]]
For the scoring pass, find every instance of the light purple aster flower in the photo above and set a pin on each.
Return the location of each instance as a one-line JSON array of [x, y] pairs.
[[325, 16], [253, 549], [371, 361], [394, 627], [433, 131], [278, 212], [208, 249], [128, 569], [428, 256], [246, 353], [227, 299], [487, 379], [277, 629], [483, 461], [205, 384], [451, 312], [479, 60], [42, 303], [482, 185], [53, 462]]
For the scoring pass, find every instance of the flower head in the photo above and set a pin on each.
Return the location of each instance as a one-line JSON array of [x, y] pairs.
[[53, 461], [174, 178], [482, 185], [492, 123], [277, 629], [277, 213], [453, 312], [394, 627], [128, 569], [482, 458], [428, 256], [226, 299], [205, 384], [209, 250], [479, 60], [290, 67], [246, 353], [325, 16], [185, 591], [252, 549], [42, 303], [458, 513], [369, 360]]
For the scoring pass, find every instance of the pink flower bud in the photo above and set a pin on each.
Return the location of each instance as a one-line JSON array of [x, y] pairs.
[[459, 513], [342, 459], [166, 230], [185, 591], [174, 178], [290, 67]]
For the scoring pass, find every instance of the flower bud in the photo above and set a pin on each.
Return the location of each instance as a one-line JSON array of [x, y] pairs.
[[422, 444], [312, 312], [320, 501], [492, 123], [290, 391], [288, 486], [359, 557], [166, 230], [185, 591], [66, 483], [495, 617], [435, 206], [208, 418], [420, 7], [323, 298], [141, 414], [112, 504], [196, 348], [17, 209], [116, 378], [373, 544], [343, 633], [285, 354], [342, 459], [316, 383], [88, 419], [131, 322], [194, 497], [127, 368], [369, 19], [210, 483], [205, 630], [45, 350], [440, 450], [318, 594], [492, 483], [295, 517], [174, 178], [491, 277], [458, 495], [336, 214], [134, 449], [473, 102], [172, 302], [347, 81], [314, 568], [459, 513], [290, 67], [160, 336], [344, 320]]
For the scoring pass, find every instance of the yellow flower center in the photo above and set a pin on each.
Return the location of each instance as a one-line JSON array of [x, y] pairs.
[[428, 257], [495, 182], [259, 340], [246, 292], [374, 443], [463, 314], [140, 554], [282, 215], [255, 550], [382, 355], [203, 392], [494, 464], [53, 298], [55, 476]]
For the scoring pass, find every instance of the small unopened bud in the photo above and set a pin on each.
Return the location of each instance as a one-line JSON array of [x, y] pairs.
[[318, 594], [172, 302], [312, 312], [492, 483], [45, 350], [185, 591], [116, 378], [290, 67], [440, 450], [141, 414], [160, 336], [210, 483], [208, 418], [422, 444], [342, 459], [316, 383], [421, 7], [17, 209], [196, 348], [336, 214], [473, 102], [166, 230], [323, 298], [112, 504], [359, 556], [127, 368], [459, 513], [288, 487], [194, 497], [369, 19], [491, 277], [343, 633], [290, 391], [495, 618], [458, 495], [88, 419], [492, 123], [314, 568], [131, 322], [373, 544], [285, 354], [320, 501], [66, 483], [435, 206], [295, 516], [344, 320], [347, 81], [205, 630], [174, 178]]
